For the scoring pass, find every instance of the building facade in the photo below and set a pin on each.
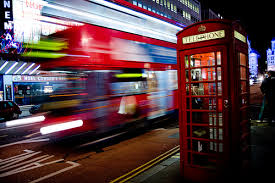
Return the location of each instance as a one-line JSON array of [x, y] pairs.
[[270, 56], [253, 62], [182, 11]]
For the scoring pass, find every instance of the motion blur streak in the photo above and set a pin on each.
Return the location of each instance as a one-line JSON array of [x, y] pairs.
[[61, 127], [25, 121], [108, 20]]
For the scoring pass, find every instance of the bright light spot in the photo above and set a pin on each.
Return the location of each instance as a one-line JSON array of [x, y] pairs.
[[25, 121], [261, 78], [61, 127]]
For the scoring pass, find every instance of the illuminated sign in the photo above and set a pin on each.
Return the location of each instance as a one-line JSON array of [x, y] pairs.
[[26, 78], [239, 36], [204, 37], [30, 24], [6, 14]]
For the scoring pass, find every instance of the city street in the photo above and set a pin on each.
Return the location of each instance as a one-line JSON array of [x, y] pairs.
[[37, 159]]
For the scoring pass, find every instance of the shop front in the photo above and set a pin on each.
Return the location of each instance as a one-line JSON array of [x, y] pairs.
[[33, 89]]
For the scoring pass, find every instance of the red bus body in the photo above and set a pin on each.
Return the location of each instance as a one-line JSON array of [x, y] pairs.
[[125, 78]]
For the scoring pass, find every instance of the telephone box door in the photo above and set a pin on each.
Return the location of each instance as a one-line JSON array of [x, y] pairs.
[[206, 101]]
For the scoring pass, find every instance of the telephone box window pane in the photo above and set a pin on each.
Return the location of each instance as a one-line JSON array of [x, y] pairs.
[[244, 100], [219, 70], [243, 86], [187, 75], [243, 59], [186, 61], [203, 88], [200, 132], [219, 88], [218, 58], [243, 72], [204, 59], [187, 89], [220, 134], [197, 89], [196, 75], [203, 74], [220, 119], [188, 103], [212, 119], [208, 118], [205, 161], [204, 103]]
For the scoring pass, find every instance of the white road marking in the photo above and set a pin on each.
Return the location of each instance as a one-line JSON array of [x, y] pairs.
[[57, 172], [99, 140], [32, 134], [35, 139], [18, 164]]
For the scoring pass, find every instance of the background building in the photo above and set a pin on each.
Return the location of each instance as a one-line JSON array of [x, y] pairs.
[[253, 61], [270, 56], [207, 13], [182, 11]]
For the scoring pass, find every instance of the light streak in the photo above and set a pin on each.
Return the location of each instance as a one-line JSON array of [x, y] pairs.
[[25, 121], [61, 127]]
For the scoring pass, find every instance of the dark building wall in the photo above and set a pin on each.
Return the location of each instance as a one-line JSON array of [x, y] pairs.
[[183, 11]]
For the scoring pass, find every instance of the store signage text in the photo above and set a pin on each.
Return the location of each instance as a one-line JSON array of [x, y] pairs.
[[204, 37], [23, 78], [7, 10]]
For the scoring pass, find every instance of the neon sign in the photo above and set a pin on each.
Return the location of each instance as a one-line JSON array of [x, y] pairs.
[[7, 44]]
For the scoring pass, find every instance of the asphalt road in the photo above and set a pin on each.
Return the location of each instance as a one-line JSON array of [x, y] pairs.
[[26, 156]]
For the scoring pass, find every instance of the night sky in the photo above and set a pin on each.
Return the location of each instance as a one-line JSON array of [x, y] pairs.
[[256, 16]]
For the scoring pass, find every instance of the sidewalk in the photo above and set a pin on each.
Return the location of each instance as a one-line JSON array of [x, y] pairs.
[[262, 162]]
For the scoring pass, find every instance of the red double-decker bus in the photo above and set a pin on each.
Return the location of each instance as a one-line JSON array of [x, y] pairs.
[[113, 77]]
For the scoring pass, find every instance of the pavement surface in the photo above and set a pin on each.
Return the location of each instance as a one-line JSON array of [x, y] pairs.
[[262, 163]]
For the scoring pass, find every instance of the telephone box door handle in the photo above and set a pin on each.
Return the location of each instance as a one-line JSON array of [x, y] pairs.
[[226, 104]]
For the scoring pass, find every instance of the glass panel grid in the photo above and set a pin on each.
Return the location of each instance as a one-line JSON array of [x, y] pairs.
[[204, 107]]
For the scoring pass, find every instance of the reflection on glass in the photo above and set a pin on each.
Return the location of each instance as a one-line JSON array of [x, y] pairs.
[[243, 86], [196, 75], [212, 118], [197, 89], [203, 88], [220, 119], [203, 74], [187, 89], [219, 88], [243, 59], [187, 75], [204, 103], [218, 58], [243, 72], [219, 70], [204, 59], [186, 61], [200, 132]]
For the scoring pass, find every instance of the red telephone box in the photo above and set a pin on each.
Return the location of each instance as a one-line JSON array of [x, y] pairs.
[[214, 93]]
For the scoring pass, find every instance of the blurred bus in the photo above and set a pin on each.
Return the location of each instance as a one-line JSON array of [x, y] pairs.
[[115, 75]]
